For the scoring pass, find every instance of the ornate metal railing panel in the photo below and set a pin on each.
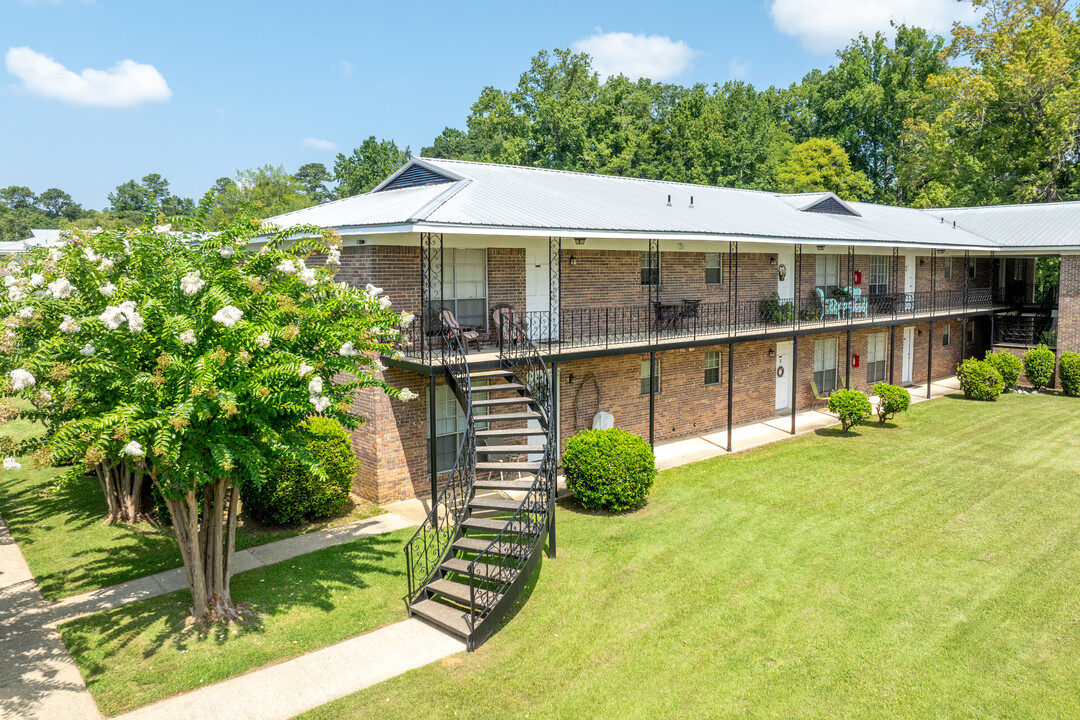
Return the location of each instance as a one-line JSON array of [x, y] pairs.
[[1025, 330], [431, 543]]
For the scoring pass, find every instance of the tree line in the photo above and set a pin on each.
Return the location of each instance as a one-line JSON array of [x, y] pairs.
[[990, 116]]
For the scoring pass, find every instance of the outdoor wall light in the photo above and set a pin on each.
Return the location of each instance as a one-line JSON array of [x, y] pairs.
[[772, 261], [570, 379], [573, 260], [772, 352], [820, 248], [579, 241]]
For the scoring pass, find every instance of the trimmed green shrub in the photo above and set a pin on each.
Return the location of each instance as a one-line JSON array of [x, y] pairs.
[[892, 399], [609, 469], [979, 380], [1069, 373], [292, 494], [1008, 365], [1039, 366], [851, 406]]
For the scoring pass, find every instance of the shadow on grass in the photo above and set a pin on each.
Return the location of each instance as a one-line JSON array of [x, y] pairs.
[[302, 586]]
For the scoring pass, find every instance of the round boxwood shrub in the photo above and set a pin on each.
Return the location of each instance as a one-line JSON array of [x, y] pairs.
[[291, 494], [851, 406], [1039, 366], [609, 469], [1008, 365], [892, 399], [1069, 372], [979, 380]]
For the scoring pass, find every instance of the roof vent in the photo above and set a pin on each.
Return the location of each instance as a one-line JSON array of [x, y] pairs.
[[691, 202], [414, 176], [669, 201], [830, 205]]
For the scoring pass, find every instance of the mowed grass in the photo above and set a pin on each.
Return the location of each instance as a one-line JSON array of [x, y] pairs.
[[924, 570], [143, 652], [71, 550]]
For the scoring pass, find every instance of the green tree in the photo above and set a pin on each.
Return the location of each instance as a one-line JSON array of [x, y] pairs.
[[821, 165], [367, 166], [1008, 129], [193, 361], [453, 144], [134, 199], [260, 193], [56, 204], [18, 197], [314, 179]]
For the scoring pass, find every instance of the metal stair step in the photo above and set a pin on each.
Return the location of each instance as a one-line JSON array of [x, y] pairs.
[[447, 617], [479, 545], [511, 432], [497, 388], [503, 484], [483, 571], [496, 402], [459, 593], [507, 417], [496, 525], [491, 374], [509, 466], [508, 449], [492, 503]]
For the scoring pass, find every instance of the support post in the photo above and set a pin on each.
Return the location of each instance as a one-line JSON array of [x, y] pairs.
[[933, 281], [553, 436], [652, 398], [892, 352], [847, 368], [735, 260], [654, 289], [930, 360], [433, 467], [554, 288], [730, 389], [794, 378], [798, 286], [851, 280]]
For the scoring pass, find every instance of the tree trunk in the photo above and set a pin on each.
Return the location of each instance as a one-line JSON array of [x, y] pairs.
[[122, 485], [207, 546]]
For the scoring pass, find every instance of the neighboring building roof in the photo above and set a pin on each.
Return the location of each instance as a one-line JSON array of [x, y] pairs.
[[47, 237], [1038, 225]]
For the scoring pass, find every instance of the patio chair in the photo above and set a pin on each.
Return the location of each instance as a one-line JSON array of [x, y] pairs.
[[506, 328], [817, 395], [860, 305], [829, 306], [453, 329], [690, 310]]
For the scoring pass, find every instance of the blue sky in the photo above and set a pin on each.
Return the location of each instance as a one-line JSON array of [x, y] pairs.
[[197, 90]]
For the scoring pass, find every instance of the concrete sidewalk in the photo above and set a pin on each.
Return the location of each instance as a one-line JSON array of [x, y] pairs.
[[745, 437]]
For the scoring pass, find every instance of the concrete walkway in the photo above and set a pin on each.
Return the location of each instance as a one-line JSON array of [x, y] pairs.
[[282, 691], [38, 678], [745, 437]]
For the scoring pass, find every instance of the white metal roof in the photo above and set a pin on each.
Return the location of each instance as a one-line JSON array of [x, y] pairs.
[[490, 198], [38, 236], [1038, 225]]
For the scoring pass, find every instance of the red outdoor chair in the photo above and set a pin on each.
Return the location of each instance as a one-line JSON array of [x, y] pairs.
[[455, 330], [506, 328]]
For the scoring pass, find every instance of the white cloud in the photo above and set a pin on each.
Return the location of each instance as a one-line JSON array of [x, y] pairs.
[[126, 84], [826, 25], [656, 57], [738, 68], [319, 144]]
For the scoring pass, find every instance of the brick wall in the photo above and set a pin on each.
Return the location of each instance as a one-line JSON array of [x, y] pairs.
[[1069, 304], [506, 279]]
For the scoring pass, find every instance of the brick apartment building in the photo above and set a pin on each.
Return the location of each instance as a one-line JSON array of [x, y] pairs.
[[677, 309]]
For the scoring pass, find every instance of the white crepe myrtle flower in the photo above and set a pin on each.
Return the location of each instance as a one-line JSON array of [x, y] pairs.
[[372, 290], [286, 267], [45, 397], [108, 289], [228, 316], [90, 255], [134, 449], [315, 386], [384, 302], [87, 350], [112, 316], [127, 307], [11, 463], [11, 280], [333, 256], [163, 228], [192, 283], [379, 366], [26, 313], [305, 369], [15, 293], [69, 325], [226, 251], [320, 402], [21, 379], [135, 322], [107, 265], [406, 395], [37, 280], [55, 255], [397, 355], [347, 350], [406, 319], [307, 276], [188, 337], [263, 340], [61, 288]]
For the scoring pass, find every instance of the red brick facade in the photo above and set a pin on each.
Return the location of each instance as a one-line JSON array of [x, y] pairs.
[[1069, 304]]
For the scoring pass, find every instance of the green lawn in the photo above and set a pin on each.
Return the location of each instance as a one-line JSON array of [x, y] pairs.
[[70, 550], [141, 652], [924, 570]]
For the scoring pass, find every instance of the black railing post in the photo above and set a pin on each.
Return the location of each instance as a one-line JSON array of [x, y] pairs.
[[433, 464], [798, 286], [892, 352], [930, 360], [794, 378], [652, 398], [730, 389], [554, 288], [847, 365], [933, 281]]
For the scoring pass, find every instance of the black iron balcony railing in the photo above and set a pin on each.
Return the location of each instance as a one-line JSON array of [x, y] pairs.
[[1025, 330], [602, 327]]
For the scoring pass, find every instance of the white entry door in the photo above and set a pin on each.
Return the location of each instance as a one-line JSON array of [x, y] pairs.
[[909, 281], [909, 355], [785, 274], [538, 294], [784, 372]]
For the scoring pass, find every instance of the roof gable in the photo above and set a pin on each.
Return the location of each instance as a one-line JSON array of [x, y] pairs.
[[415, 174]]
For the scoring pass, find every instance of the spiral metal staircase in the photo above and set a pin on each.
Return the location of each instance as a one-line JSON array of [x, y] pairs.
[[472, 556]]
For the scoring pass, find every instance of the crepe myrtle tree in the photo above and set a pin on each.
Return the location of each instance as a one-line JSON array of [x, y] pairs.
[[190, 360]]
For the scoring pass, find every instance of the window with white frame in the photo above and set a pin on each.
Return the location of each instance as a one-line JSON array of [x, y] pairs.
[[464, 285], [827, 269], [645, 377], [971, 268], [712, 368], [948, 268], [877, 346], [1018, 269], [879, 274], [450, 426], [825, 365], [650, 268], [714, 269], [945, 339]]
